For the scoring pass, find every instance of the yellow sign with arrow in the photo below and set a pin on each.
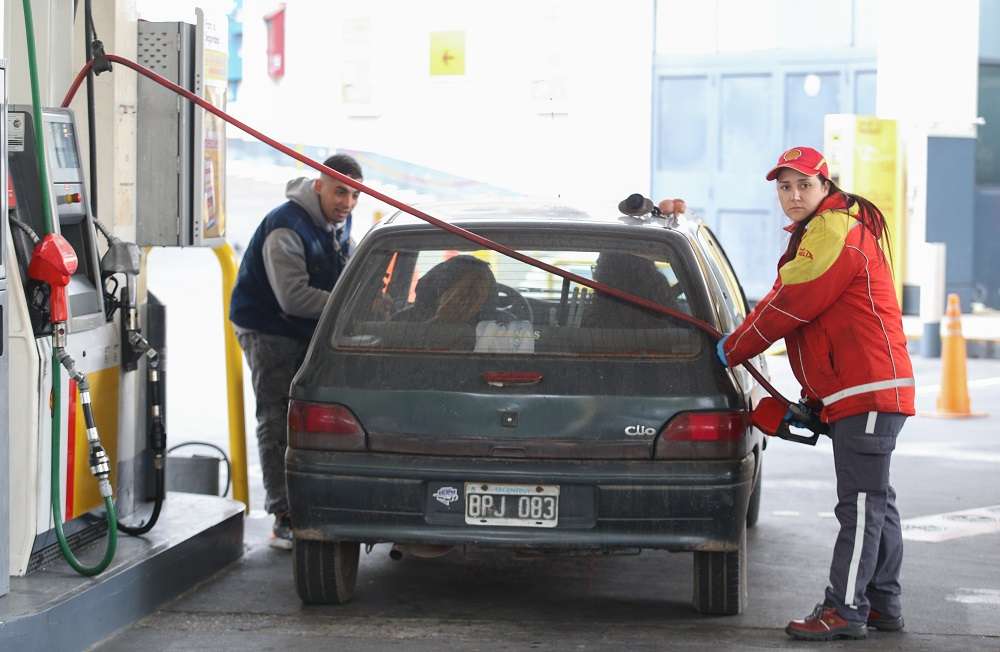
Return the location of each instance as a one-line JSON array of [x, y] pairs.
[[447, 53]]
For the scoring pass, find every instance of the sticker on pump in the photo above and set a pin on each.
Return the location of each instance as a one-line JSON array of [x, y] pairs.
[[15, 132]]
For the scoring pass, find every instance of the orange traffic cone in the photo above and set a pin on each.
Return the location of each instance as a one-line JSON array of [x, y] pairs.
[[953, 399]]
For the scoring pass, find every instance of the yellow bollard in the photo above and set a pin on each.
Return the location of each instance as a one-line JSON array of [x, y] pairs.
[[234, 380], [953, 399]]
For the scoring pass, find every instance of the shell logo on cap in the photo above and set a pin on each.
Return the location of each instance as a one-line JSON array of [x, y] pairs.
[[792, 154]]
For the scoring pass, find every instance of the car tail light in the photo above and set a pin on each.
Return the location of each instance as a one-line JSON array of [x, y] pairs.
[[704, 434], [324, 426]]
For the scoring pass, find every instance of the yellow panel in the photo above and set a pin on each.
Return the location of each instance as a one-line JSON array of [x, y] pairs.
[[104, 402], [877, 174], [447, 53], [214, 200]]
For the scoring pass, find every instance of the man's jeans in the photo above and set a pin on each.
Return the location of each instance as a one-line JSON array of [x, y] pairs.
[[273, 360]]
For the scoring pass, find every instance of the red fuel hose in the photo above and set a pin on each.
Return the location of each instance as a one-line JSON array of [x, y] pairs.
[[451, 228]]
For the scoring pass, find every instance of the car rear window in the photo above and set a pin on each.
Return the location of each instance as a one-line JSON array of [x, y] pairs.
[[437, 292]]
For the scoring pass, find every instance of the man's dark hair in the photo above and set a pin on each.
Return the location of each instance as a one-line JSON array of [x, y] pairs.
[[345, 165]]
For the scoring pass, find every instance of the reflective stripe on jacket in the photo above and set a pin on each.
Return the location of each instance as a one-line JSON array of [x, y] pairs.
[[835, 305]]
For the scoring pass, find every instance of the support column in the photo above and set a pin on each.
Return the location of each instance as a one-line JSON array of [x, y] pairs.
[[52, 20], [4, 347], [932, 296], [932, 92], [116, 23]]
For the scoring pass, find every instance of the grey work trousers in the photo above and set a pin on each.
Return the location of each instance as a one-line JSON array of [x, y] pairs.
[[867, 556], [273, 361]]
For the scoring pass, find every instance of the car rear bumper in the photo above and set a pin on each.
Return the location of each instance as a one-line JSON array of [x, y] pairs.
[[375, 497]]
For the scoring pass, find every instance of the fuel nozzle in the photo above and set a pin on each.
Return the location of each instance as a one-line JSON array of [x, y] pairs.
[[774, 417], [53, 262], [125, 258], [122, 258], [802, 415]]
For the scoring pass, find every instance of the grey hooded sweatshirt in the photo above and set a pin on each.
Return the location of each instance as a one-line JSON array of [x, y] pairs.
[[285, 257]]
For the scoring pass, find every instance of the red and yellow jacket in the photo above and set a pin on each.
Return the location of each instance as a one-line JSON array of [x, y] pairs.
[[835, 304]]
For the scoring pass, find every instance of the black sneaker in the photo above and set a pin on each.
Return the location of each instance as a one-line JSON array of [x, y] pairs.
[[281, 532], [884, 623]]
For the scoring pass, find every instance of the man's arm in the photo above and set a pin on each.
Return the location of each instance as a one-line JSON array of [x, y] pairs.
[[285, 265]]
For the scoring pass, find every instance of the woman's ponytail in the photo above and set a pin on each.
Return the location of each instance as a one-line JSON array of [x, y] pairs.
[[871, 219]]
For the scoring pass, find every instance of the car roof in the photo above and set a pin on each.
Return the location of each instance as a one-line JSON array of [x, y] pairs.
[[525, 213]]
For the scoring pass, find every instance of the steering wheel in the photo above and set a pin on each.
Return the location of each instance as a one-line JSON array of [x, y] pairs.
[[510, 300]]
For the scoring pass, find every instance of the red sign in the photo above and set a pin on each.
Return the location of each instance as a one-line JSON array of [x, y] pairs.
[[276, 43]]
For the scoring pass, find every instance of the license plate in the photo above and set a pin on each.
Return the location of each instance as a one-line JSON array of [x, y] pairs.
[[524, 505]]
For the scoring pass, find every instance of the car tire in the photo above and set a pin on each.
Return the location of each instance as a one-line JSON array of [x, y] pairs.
[[720, 580], [753, 508], [325, 571]]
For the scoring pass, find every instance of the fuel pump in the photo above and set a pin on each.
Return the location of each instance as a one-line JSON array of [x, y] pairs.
[[54, 263], [62, 347], [86, 370], [73, 299], [125, 258]]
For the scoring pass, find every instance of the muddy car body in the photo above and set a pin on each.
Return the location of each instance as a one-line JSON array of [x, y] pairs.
[[453, 396]]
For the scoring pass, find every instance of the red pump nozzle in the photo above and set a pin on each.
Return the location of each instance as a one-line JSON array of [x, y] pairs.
[[769, 418], [769, 415], [53, 261]]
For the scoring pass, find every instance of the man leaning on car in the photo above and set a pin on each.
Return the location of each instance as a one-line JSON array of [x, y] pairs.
[[290, 266]]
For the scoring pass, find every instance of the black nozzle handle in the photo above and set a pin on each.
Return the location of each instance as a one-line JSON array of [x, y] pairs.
[[784, 432]]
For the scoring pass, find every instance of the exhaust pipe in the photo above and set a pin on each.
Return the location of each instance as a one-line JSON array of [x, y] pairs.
[[418, 550]]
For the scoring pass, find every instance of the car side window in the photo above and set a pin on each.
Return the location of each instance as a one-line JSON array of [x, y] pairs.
[[724, 273], [726, 313]]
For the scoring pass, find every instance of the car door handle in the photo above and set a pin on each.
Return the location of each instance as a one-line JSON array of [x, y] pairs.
[[507, 378]]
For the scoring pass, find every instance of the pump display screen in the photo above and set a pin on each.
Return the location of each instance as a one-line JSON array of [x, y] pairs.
[[63, 145]]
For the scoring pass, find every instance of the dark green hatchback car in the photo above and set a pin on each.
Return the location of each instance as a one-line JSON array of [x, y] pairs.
[[453, 396]]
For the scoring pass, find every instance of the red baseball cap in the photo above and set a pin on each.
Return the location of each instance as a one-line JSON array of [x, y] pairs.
[[806, 160]]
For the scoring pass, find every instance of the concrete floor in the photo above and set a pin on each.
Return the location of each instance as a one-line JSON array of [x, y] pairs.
[[491, 601]]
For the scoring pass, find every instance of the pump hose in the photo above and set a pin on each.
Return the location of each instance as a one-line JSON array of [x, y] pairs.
[[157, 439], [109, 553], [26, 229], [703, 326], [98, 466]]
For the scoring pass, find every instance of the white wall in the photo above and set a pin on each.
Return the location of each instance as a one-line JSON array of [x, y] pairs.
[[721, 26], [589, 147], [930, 90], [928, 64]]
